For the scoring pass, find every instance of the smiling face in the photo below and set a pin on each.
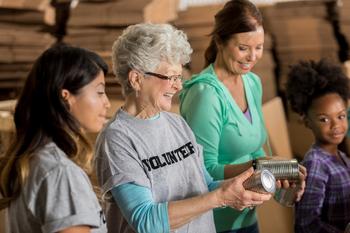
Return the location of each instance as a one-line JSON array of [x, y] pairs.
[[90, 105], [327, 118], [158, 93], [240, 53]]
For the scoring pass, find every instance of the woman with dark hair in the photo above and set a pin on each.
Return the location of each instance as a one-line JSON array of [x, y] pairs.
[[319, 93], [43, 176], [223, 104]]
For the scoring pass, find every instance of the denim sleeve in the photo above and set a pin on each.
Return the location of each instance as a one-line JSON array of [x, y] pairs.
[[139, 209]]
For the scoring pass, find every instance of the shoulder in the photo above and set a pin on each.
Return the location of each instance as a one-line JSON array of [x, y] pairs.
[[50, 167], [177, 121], [315, 161], [116, 128], [48, 158], [175, 118]]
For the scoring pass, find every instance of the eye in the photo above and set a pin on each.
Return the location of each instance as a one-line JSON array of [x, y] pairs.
[[101, 92], [341, 117], [324, 119], [259, 47], [242, 48]]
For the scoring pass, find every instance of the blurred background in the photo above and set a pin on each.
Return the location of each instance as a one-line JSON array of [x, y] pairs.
[[294, 30]]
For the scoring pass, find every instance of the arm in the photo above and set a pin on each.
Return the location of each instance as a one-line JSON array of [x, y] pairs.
[[212, 185], [232, 170], [308, 210], [59, 203], [145, 215], [206, 123]]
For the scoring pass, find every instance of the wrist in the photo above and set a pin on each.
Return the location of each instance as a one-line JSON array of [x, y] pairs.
[[219, 198], [254, 164]]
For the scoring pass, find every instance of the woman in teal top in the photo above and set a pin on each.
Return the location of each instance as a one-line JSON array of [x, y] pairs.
[[222, 104]]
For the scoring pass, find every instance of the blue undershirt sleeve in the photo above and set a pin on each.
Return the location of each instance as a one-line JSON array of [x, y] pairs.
[[212, 185], [139, 209]]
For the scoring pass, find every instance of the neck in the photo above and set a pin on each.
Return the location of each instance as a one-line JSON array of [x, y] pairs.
[[136, 107], [223, 72], [332, 149]]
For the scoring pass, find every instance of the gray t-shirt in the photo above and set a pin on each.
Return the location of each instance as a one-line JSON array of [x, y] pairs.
[[57, 195], [160, 154]]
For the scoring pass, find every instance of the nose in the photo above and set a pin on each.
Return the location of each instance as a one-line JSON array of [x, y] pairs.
[[335, 123], [107, 102], [177, 85], [252, 56]]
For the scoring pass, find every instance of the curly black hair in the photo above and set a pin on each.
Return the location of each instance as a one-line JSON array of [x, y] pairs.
[[309, 80]]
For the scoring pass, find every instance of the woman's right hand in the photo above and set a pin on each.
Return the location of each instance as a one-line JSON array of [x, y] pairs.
[[232, 193]]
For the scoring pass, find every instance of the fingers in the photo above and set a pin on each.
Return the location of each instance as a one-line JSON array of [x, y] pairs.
[[245, 175], [278, 184], [302, 169], [253, 198], [285, 184]]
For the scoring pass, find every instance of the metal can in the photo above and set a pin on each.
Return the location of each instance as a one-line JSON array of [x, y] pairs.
[[281, 169], [262, 181]]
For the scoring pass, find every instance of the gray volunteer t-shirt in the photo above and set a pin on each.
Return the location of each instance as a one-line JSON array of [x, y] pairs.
[[160, 154], [57, 195]]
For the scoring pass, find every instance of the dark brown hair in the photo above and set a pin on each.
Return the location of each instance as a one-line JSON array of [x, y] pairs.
[[42, 115], [237, 16]]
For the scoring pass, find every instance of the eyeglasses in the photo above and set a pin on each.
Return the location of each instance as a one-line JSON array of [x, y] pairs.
[[172, 79]]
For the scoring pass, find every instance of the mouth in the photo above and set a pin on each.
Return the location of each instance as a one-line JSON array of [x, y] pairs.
[[245, 66], [104, 117], [169, 95], [337, 135]]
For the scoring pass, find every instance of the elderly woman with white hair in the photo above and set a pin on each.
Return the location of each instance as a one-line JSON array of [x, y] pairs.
[[149, 164]]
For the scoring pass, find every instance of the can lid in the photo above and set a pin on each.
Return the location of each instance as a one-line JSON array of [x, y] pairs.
[[268, 181]]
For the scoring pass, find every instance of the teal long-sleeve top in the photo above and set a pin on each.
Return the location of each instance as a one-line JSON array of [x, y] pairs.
[[226, 135]]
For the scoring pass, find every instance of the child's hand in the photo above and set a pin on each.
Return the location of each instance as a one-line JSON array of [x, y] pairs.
[[302, 177]]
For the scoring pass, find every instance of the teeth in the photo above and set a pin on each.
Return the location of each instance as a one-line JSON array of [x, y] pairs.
[[169, 95]]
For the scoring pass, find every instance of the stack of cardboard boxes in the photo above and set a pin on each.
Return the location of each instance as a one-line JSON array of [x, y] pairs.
[[301, 30], [198, 22], [23, 37], [344, 19], [96, 25]]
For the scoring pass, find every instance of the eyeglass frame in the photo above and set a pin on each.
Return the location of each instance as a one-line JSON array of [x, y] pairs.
[[172, 79]]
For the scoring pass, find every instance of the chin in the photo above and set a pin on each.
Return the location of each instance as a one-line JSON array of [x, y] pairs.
[[165, 106]]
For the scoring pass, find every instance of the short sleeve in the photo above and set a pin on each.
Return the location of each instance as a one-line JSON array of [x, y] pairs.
[[65, 198], [117, 162]]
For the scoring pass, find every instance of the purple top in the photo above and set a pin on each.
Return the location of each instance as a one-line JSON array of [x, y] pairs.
[[325, 205], [248, 115]]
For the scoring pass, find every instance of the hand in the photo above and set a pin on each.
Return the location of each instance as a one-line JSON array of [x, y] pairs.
[[302, 184], [232, 193]]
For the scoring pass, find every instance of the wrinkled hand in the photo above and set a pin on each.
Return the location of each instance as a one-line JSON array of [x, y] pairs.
[[232, 193]]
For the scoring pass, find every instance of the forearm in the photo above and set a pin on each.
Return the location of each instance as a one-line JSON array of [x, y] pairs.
[[184, 211], [232, 170]]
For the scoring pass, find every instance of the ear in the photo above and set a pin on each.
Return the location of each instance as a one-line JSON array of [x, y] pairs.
[[135, 79], [67, 96]]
